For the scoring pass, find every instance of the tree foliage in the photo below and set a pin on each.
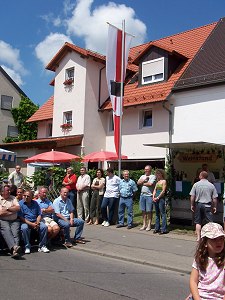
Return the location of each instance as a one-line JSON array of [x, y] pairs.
[[27, 131]]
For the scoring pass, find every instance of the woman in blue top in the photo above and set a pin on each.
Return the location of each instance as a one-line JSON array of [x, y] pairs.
[[159, 202]]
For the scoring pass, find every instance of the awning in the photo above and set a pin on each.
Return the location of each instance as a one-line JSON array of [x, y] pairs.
[[185, 145], [7, 155]]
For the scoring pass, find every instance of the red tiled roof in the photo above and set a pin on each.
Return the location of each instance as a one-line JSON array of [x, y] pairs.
[[186, 44], [53, 64], [45, 112], [46, 143]]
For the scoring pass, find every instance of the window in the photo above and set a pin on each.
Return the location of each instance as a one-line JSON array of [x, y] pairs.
[[146, 118], [49, 129], [12, 131], [153, 70], [6, 102], [67, 117], [69, 74], [111, 122]]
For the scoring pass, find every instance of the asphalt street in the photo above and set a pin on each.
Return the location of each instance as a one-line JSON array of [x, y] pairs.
[[72, 274]]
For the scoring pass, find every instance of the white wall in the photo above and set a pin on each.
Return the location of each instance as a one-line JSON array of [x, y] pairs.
[[199, 115], [43, 129], [134, 137], [72, 99]]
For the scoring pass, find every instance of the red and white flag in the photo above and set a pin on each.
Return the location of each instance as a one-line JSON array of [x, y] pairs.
[[116, 63]]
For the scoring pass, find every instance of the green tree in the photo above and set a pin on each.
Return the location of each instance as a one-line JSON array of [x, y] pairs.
[[27, 131]]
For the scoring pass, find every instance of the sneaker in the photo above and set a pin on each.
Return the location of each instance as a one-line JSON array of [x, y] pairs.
[[129, 226], [103, 223], [119, 225], [43, 249], [148, 228], [106, 224], [27, 250]]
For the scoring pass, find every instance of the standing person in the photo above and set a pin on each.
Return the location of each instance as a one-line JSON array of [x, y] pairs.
[[69, 182], [110, 197], [97, 187], [203, 201], [147, 183], [30, 216], [127, 189], [65, 218], [159, 202], [9, 224], [211, 177], [16, 177], [83, 187], [207, 276], [47, 212]]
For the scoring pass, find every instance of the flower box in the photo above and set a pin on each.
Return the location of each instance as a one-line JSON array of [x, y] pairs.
[[66, 126], [68, 81]]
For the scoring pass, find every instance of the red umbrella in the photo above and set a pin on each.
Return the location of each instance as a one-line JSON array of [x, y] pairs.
[[102, 156], [53, 157]]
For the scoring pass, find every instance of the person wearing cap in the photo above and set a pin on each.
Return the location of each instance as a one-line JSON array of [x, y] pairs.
[[203, 201], [207, 276]]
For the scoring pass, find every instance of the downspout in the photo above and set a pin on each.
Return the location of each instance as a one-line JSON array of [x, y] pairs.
[[99, 87]]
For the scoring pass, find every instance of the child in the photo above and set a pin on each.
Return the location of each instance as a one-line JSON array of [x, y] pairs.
[[207, 276]]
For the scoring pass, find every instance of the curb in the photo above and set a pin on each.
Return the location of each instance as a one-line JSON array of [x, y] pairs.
[[137, 261]]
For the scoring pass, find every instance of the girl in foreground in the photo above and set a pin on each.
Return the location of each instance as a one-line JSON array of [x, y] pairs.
[[207, 276]]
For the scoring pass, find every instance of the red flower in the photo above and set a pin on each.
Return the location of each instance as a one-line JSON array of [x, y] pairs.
[[68, 81], [66, 126]]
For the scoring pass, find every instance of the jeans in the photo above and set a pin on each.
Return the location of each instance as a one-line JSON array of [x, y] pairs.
[[73, 198], [110, 203], [125, 203], [43, 231], [77, 222], [10, 231], [160, 210]]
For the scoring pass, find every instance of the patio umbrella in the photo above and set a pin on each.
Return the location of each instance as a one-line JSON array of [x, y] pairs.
[[7, 155], [52, 157], [102, 156]]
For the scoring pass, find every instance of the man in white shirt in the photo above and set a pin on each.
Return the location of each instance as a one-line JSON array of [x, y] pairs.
[[83, 187], [111, 196], [16, 177]]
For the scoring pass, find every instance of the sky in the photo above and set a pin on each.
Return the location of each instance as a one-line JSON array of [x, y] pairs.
[[32, 31]]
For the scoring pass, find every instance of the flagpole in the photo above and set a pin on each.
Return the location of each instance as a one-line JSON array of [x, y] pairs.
[[121, 97]]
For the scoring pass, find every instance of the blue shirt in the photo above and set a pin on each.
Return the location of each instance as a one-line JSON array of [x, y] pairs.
[[43, 205], [127, 188], [29, 212], [63, 207]]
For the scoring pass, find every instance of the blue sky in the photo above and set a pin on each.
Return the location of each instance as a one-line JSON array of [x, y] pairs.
[[31, 32]]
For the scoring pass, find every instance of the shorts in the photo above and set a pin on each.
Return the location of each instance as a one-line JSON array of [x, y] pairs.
[[146, 203], [203, 212], [49, 222]]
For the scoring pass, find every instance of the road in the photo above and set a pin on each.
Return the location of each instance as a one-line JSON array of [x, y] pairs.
[[71, 274]]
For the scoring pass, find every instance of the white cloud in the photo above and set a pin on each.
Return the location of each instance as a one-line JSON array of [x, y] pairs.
[[46, 49], [14, 75], [91, 25], [11, 62], [11, 56]]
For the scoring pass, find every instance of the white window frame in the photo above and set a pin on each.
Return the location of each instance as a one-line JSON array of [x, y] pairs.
[[66, 118], [142, 118], [6, 102], [153, 77], [69, 73]]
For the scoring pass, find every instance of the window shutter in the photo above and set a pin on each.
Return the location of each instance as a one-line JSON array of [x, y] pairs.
[[153, 67], [6, 102]]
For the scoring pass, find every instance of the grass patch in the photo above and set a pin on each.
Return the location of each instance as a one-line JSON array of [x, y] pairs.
[[174, 228]]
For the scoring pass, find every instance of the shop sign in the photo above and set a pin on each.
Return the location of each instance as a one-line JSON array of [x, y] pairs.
[[193, 158]]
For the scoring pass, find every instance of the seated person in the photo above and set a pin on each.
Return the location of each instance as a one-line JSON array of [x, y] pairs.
[[65, 217], [9, 224], [46, 212], [30, 216]]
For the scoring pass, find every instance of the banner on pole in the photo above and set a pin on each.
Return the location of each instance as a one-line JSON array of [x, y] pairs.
[[116, 63]]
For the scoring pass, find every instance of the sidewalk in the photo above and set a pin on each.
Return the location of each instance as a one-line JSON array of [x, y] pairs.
[[171, 251]]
